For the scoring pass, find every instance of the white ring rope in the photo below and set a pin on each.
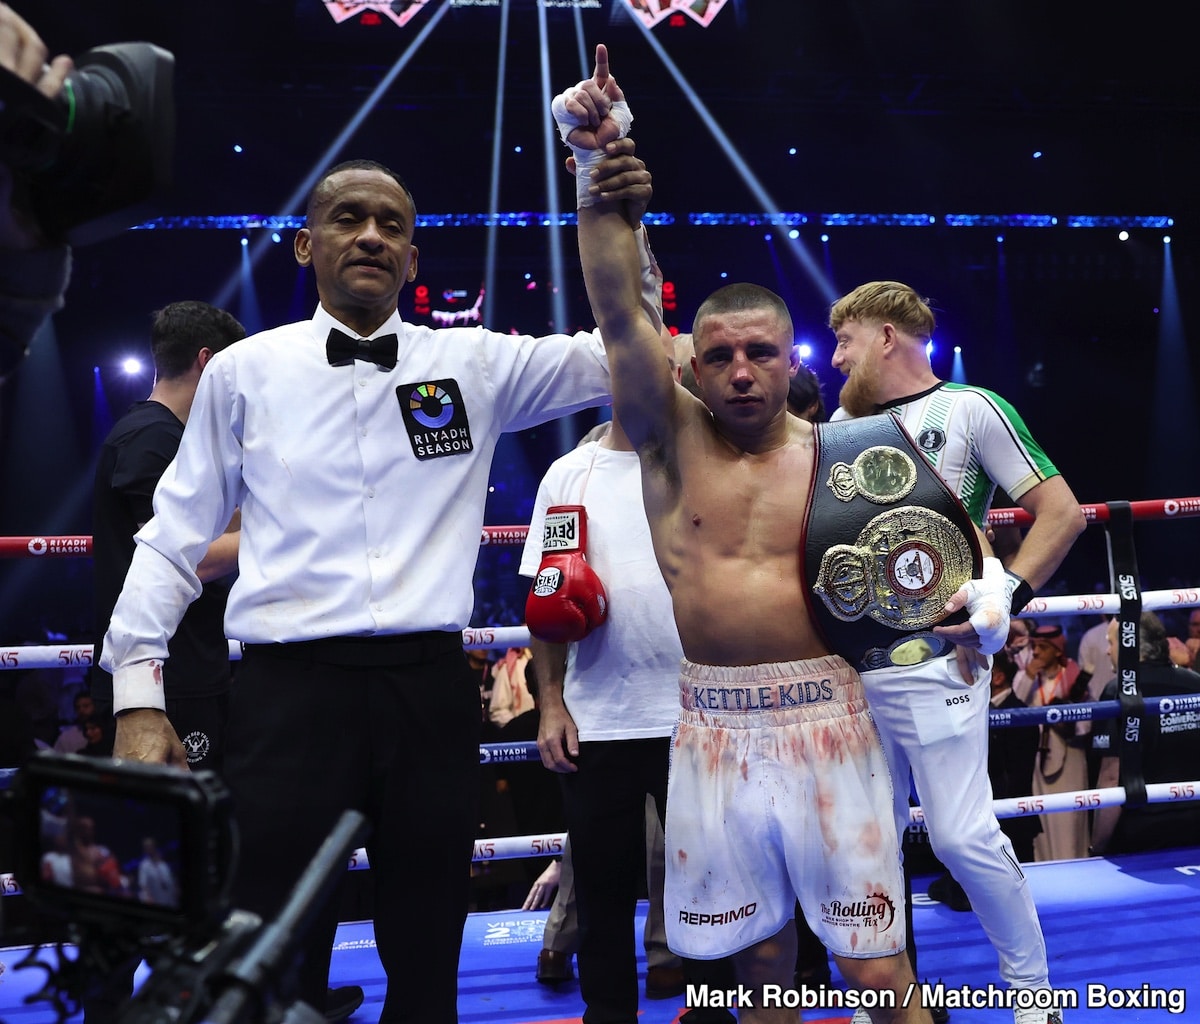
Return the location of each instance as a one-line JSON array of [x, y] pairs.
[[498, 638], [550, 844]]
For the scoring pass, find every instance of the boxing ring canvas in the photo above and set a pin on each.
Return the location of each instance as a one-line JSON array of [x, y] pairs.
[[1123, 935]]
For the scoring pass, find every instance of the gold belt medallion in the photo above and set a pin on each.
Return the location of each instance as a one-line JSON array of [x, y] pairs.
[[881, 474], [900, 571]]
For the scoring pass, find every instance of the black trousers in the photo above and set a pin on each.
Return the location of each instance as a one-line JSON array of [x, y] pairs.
[[605, 804], [309, 737]]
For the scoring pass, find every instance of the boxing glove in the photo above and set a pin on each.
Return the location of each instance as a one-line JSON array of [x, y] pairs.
[[567, 600]]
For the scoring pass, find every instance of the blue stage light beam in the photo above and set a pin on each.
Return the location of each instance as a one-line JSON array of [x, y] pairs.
[[782, 286], [102, 417], [958, 372], [566, 427], [552, 150], [328, 158], [493, 231], [249, 312], [818, 277], [1175, 423]]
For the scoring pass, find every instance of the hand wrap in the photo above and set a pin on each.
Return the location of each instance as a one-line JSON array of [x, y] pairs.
[[586, 160], [988, 603]]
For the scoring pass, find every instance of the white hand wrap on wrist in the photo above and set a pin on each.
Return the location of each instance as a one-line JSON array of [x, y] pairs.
[[988, 603], [586, 160]]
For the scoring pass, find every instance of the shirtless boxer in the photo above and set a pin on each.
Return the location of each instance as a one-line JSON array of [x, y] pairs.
[[779, 789]]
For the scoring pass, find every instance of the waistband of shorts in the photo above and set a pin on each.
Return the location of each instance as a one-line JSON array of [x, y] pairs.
[[772, 686], [364, 651]]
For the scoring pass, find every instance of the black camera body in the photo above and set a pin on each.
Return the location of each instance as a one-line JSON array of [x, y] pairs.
[[94, 160], [85, 830], [128, 848]]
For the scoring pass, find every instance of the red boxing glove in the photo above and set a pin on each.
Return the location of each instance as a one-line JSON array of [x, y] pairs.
[[567, 600]]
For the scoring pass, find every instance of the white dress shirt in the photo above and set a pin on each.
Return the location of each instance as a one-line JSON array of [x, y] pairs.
[[357, 519]]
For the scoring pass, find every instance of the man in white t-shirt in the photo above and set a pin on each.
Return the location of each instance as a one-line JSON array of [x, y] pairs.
[[609, 702]]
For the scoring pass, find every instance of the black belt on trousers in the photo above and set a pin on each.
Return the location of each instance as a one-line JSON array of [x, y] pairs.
[[364, 651], [886, 543]]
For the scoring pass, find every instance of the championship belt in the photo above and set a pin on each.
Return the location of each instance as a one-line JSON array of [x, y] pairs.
[[886, 543]]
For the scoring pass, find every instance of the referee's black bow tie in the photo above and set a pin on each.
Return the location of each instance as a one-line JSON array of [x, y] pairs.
[[341, 349]]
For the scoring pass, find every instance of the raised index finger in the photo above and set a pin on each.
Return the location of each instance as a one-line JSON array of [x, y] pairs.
[[600, 75]]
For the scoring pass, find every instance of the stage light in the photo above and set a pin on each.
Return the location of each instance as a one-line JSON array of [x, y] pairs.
[[132, 366], [824, 238], [237, 148], [958, 372], [1037, 154], [245, 240], [929, 348], [276, 237], [793, 234], [1123, 236], [804, 350], [518, 149], [792, 151], [1166, 239], [1000, 238]]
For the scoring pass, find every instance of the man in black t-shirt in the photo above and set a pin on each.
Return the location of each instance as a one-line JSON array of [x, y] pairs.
[[137, 451], [1170, 753]]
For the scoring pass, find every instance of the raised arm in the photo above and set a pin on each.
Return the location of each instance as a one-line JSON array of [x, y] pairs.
[[592, 117]]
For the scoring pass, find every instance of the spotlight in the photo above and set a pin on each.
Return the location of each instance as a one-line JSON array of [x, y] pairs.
[[245, 240], [929, 348], [958, 350], [518, 149], [275, 237], [132, 366], [1123, 236], [805, 350], [1037, 154], [793, 233], [237, 148], [1000, 239], [824, 238], [1166, 239], [792, 151]]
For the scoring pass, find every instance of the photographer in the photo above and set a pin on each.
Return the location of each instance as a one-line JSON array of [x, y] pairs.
[[33, 273]]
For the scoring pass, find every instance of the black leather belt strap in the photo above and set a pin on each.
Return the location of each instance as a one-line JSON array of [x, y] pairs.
[[363, 651], [886, 543]]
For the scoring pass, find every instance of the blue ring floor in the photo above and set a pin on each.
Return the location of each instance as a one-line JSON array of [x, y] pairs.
[[1123, 936]]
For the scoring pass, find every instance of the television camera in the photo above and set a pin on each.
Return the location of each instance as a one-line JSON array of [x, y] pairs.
[[136, 861]]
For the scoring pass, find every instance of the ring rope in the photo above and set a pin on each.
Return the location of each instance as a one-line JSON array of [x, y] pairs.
[[550, 844], [503, 637], [73, 546]]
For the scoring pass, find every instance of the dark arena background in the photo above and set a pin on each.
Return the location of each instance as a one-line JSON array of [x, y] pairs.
[[1030, 167]]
